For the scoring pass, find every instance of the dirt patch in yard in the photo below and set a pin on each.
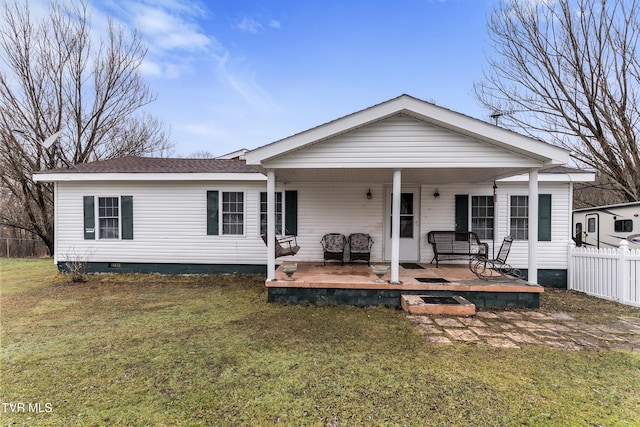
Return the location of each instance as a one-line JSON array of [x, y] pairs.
[[584, 307]]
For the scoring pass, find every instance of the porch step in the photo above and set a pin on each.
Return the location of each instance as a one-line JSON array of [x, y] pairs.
[[431, 304]]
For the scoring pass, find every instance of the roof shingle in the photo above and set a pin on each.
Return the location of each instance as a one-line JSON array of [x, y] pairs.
[[135, 164]]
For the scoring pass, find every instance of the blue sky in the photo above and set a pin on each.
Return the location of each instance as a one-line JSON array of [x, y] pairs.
[[243, 73]]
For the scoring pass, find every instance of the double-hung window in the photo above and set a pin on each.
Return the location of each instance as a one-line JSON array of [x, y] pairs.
[[519, 217], [519, 226], [263, 213], [225, 213], [233, 213], [108, 218], [112, 218], [482, 214]]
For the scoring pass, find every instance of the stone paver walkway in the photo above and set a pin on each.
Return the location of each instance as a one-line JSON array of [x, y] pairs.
[[511, 329]]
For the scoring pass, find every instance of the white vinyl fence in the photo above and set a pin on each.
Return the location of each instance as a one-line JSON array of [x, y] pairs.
[[612, 274]]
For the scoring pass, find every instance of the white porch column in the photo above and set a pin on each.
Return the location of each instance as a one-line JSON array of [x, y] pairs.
[[533, 226], [395, 226], [271, 225]]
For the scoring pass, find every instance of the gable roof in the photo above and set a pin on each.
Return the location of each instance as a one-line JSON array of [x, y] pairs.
[[482, 151], [429, 113]]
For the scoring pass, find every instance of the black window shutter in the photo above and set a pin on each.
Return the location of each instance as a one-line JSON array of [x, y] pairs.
[[127, 217], [544, 217], [212, 213], [291, 212], [89, 218], [462, 212]]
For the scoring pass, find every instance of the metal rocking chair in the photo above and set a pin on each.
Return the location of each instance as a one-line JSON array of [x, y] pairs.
[[285, 245], [486, 268]]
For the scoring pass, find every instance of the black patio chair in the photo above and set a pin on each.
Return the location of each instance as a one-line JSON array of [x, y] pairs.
[[360, 247], [333, 247], [486, 268]]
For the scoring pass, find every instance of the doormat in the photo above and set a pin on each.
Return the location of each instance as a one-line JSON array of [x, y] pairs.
[[411, 266], [431, 280]]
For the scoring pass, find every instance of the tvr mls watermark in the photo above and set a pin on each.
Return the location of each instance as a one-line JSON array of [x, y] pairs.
[[24, 407]]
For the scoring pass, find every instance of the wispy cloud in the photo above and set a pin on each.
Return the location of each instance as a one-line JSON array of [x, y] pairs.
[[256, 25], [249, 25], [167, 24], [181, 46], [171, 31], [244, 83], [168, 30]]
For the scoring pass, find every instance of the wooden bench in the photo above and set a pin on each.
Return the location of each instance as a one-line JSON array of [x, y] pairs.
[[456, 244]]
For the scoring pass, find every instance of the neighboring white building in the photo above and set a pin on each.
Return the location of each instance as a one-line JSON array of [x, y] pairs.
[[449, 171]]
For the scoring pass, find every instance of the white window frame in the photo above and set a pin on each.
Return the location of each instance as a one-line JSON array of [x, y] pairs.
[[118, 218], [471, 217], [222, 213], [280, 217], [515, 235]]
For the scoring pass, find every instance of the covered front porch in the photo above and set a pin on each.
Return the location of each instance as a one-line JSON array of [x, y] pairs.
[[335, 284], [419, 159]]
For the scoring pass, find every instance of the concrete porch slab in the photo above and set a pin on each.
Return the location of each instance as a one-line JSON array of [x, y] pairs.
[[335, 284], [359, 276]]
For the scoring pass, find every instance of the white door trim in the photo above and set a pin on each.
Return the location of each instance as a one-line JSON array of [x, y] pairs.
[[409, 248]]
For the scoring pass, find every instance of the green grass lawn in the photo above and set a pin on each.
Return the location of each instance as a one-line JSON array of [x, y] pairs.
[[18, 275], [209, 350]]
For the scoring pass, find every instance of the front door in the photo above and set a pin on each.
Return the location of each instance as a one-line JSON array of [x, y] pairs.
[[409, 224]]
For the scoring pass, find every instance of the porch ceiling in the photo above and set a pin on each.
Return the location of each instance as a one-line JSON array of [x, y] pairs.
[[413, 175]]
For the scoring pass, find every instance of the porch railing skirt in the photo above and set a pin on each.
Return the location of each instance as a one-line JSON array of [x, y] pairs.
[[391, 297]]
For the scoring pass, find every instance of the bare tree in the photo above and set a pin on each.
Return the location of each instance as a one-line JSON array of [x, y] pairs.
[[568, 71], [58, 75], [202, 154], [591, 194]]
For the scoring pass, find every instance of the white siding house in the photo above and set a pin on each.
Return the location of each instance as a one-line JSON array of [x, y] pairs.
[[169, 224], [186, 215]]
